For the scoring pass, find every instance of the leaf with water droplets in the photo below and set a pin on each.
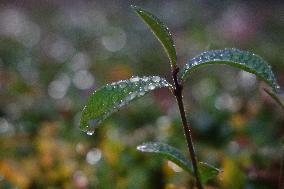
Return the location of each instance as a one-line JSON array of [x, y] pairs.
[[160, 30], [275, 98], [114, 96], [171, 153], [168, 152], [244, 60]]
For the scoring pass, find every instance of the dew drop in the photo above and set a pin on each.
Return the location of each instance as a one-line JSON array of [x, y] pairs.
[[146, 88], [278, 89], [156, 78], [164, 83], [122, 85], [141, 92], [90, 133], [132, 96], [145, 79], [142, 148], [108, 87], [151, 87], [134, 79], [122, 103]]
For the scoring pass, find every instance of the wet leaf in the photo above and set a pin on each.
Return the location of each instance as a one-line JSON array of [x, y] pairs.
[[112, 97], [275, 98], [244, 60], [171, 153], [160, 30]]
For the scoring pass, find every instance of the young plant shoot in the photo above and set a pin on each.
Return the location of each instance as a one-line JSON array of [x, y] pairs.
[[112, 97]]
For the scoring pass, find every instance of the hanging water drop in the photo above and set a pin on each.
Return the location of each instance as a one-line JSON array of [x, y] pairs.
[[278, 89]]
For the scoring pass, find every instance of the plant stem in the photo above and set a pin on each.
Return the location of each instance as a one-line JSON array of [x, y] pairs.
[[281, 176], [178, 94]]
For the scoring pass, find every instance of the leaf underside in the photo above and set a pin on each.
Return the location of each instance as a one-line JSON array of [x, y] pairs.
[[244, 60], [112, 97], [166, 151], [160, 30]]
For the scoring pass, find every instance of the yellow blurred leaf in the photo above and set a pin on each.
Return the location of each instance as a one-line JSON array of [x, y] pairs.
[[232, 177], [238, 121], [13, 173]]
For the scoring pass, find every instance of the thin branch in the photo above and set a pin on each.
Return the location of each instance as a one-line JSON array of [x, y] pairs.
[[281, 177], [186, 128]]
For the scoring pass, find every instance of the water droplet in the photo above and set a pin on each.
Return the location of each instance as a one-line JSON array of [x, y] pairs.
[[278, 89], [132, 96], [145, 79], [122, 103], [134, 79], [164, 83], [151, 87], [108, 87], [141, 92], [156, 78], [90, 133], [146, 88], [142, 148], [122, 85]]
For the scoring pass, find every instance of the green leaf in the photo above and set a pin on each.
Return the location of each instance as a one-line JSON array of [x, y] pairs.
[[160, 30], [206, 171], [236, 58], [169, 153], [275, 98], [112, 97]]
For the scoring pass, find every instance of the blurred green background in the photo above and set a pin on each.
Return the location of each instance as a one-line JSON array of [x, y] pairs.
[[53, 54]]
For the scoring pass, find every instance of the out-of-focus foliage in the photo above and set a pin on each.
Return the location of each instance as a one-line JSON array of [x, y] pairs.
[[54, 54]]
